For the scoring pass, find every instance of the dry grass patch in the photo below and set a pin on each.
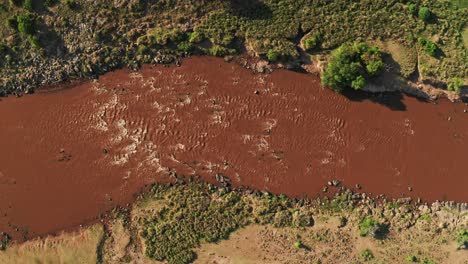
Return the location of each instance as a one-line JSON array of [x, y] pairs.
[[79, 247]]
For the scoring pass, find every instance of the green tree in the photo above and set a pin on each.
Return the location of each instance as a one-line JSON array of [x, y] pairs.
[[424, 14], [349, 66], [429, 47]]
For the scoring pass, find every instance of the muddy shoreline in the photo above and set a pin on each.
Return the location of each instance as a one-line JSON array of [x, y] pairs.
[[76, 153]]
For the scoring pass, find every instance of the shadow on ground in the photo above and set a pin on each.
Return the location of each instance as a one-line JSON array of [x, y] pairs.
[[252, 9]]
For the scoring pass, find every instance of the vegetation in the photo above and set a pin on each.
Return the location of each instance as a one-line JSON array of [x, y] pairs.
[[462, 238], [429, 47], [312, 42], [455, 85], [25, 23], [272, 55], [366, 226], [412, 8], [113, 33], [350, 66], [367, 255], [297, 244], [424, 14]]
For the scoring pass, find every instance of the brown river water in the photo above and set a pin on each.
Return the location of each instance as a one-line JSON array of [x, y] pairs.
[[68, 155]]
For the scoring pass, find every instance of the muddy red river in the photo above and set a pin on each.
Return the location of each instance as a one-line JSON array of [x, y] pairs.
[[66, 156]]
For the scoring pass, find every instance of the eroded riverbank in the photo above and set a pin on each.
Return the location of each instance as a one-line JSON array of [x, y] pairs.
[[69, 155]]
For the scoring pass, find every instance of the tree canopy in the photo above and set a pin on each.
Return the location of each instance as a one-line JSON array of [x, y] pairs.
[[351, 65]]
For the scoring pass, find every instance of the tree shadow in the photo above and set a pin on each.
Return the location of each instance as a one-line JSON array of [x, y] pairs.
[[251, 9], [381, 231], [391, 100], [53, 43]]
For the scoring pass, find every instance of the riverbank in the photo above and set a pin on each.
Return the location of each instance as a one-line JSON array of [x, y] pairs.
[[255, 227], [67, 41]]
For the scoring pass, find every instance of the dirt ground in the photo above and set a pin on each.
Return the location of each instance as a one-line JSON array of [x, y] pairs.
[[326, 243]]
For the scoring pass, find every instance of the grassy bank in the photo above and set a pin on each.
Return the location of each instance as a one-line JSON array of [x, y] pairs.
[[54, 40], [201, 223]]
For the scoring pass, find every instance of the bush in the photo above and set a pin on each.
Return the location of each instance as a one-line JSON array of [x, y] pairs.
[[429, 47], [350, 64], [312, 42], [462, 239], [71, 4], [366, 225], [195, 37], [218, 51], [411, 258], [25, 23], [424, 14], [297, 244], [34, 42], [412, 8], [16, 2], [185, 46], [455, 84], [367, 255], [272, 55]]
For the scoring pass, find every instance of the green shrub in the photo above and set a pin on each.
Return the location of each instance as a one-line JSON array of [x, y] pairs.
[[366, 225], [358, 83], [25, 23], [455, 84], [312, 42], [185, 46], [195, 37], [412, 8], [218, 51], [462, 238], [367, 255], [142, 49], [428, 261], [374, 67], [297, 244], [272, 55], [424, 14], [350, 64], [162, 36], [28, 4], [411, 258], [34, 41]]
